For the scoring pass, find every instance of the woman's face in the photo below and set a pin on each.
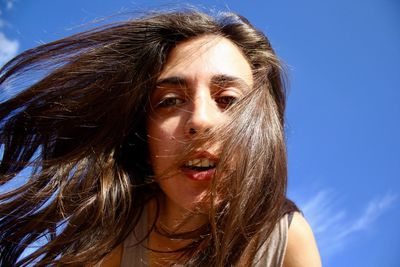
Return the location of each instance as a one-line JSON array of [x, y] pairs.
[[199, 81]]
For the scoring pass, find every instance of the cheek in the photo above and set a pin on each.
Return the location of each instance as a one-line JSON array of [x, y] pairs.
[[163, 140], [160, 134]]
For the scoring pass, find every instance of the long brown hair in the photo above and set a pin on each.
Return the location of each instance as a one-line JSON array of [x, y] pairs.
[[79, 132]]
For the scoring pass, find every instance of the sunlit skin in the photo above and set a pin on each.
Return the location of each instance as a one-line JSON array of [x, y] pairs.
[[200, 79]]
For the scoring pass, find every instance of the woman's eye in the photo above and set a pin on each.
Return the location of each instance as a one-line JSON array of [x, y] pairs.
[[226, 101], [170, 102]]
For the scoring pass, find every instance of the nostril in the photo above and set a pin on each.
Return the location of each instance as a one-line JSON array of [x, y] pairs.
[[192, 131]]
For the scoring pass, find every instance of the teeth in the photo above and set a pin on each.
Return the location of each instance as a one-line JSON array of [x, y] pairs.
[[204, 162]]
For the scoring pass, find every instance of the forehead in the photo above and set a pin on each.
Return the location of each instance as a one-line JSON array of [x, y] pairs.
[[202, 58]]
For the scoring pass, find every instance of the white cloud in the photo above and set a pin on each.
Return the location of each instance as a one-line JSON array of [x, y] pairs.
[[9, 4], [333, 226], [374, 210], [8, 48]]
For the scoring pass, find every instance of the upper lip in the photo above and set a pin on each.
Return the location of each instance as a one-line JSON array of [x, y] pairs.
[[204, 154]]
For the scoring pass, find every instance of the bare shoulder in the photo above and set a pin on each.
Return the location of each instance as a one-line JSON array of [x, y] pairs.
[[301, 249], [111, 260]]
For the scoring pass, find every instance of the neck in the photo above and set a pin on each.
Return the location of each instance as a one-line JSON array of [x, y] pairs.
[[175, 219], [175, 226], [165, 238]]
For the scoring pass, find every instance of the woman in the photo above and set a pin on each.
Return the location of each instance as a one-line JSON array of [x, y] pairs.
[[157, 141]]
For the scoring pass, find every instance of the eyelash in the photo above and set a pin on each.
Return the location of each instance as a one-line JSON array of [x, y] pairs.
[[226, 101], [166, 102], [222, 101]]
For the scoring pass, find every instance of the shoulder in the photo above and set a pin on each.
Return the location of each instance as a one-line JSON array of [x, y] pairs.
[[113, 259], [301, 248]]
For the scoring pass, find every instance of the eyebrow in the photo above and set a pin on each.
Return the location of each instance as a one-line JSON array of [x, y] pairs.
[[174, 80], [219, 80], [223, 80]]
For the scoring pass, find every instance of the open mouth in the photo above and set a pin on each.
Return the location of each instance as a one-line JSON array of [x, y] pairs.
[[200, 164], [200, 169]]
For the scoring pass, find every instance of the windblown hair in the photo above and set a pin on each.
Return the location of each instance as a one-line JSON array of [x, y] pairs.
[[79, 133]]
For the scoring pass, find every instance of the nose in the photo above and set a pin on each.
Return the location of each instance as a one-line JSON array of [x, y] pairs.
[[203, 114]]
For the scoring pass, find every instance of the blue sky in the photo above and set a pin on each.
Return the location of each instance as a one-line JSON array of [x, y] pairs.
[[343, 110]]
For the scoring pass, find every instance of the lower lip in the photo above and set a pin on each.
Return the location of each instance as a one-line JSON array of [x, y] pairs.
[[205, 175]]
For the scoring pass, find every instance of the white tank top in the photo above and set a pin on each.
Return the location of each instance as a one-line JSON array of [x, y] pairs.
[[271, 253]]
